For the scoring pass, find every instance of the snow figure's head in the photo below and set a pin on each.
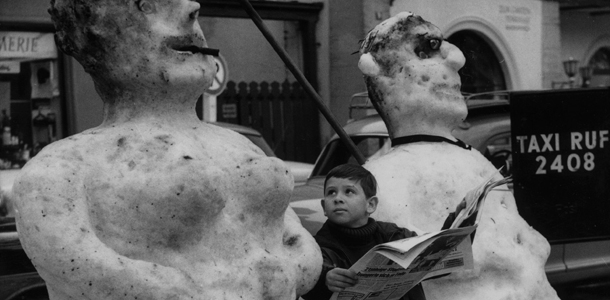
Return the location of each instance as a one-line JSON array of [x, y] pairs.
[[136, 46], [412, 77]]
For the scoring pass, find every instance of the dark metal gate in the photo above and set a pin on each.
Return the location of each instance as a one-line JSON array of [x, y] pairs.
[[282, 112]]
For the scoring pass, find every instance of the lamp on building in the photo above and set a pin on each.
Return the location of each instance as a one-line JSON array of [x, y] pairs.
[[586, 73], [570, 66]]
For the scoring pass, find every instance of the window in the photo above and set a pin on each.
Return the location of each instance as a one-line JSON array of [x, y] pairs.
[[600, 62], [498, 152], [336, 153], [31, 106]]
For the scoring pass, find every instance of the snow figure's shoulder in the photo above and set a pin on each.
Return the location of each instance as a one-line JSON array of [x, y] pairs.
[[421, 156]]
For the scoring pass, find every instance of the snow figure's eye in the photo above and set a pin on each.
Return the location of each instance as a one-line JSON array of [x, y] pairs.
[[427, 46], [435, 44]]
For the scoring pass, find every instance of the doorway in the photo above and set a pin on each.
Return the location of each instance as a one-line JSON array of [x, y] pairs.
[[482, 71]]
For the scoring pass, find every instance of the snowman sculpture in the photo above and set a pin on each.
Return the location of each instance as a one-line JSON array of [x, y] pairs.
[[153, 203], [412, 79]]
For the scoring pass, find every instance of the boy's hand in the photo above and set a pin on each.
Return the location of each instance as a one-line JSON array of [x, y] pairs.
[[338, 279]]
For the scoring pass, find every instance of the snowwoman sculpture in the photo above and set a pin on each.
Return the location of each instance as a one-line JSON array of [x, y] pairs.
[[412, 78], [153, 203]]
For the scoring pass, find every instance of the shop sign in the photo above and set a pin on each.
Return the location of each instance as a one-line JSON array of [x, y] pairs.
[[27, 45], [10, 67], [561, 160], [229, 111], [517, 18]]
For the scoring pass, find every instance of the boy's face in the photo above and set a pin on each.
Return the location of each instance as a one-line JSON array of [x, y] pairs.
[[346, 204]]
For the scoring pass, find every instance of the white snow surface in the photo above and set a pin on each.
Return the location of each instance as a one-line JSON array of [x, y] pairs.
[[421, 183]]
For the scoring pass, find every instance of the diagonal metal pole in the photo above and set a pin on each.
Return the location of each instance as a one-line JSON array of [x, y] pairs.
[[303, 81]]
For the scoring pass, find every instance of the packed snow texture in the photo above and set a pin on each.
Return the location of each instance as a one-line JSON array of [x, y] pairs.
[[417, 91], [154, 203]]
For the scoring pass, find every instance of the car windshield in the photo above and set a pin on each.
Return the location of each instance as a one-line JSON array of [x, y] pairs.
[[336, 153], [261, 143]]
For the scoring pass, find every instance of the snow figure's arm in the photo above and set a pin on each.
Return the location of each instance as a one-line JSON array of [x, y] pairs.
[[320, 290], [54, 217], [304, 250]]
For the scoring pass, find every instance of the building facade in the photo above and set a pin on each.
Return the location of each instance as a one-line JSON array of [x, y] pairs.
[[513, 45]]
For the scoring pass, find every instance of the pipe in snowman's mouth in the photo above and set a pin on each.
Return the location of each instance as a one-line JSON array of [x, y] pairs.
[[202, 50]]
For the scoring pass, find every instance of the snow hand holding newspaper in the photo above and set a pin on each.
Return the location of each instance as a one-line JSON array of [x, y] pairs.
[[390, 270]]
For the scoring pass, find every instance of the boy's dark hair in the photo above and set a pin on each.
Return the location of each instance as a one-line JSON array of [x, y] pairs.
[[356, 173]]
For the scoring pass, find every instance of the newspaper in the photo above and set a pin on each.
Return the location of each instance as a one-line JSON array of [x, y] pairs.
[[474, 201], [390, 270]]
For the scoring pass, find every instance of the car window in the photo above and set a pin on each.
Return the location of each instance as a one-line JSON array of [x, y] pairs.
[[498, 152], [261, 143], [336, 153]]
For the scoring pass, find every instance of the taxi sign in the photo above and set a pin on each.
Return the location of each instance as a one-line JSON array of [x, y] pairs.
[[561, 161], [222, 75]]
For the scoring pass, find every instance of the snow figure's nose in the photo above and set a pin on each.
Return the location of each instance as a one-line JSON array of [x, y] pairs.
[[453, 56], [194, 10]]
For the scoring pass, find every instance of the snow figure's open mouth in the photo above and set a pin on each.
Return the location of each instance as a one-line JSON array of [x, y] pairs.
[[189, 45], [195, 49]]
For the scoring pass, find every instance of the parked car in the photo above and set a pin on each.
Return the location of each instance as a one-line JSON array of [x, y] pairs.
[[18, 277], [577, 269], [486, 129], [300, 170]]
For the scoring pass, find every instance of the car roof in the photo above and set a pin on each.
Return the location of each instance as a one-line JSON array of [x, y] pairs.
[[369, 125], [374, 125], [486, 118], [238, 128], [473, 100]]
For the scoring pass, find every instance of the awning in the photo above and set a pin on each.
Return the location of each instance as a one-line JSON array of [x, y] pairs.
[[16, 47]]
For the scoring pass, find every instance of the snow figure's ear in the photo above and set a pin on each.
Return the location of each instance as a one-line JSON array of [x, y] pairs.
[[367, 65]]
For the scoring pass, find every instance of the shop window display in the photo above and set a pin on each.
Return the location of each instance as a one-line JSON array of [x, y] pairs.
[[30, 98]]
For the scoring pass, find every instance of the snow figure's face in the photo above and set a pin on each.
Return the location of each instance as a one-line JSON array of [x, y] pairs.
[[346, 204], [136, 45], [411, 72]]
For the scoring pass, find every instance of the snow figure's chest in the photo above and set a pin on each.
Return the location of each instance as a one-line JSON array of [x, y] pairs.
[[421, 183], [164, 190]]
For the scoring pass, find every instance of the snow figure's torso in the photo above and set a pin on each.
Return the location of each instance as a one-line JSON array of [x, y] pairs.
[[421, 183], [201, 201], [153, 203]]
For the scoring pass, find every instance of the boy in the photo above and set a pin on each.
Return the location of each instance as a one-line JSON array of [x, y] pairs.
[[349, 199]]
